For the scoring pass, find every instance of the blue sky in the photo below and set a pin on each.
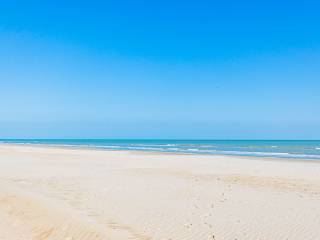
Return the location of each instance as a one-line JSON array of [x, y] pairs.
[[166, 69]]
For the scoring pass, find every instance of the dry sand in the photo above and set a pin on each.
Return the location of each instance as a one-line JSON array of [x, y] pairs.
[[83, 194]]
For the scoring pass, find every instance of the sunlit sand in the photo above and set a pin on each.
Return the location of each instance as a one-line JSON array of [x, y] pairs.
[[85, 194]]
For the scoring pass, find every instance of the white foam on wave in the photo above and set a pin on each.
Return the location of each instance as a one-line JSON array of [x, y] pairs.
[[152, 145], [173, 149], [250, 153], [222, 152], [104, 146], [194, 150], [207, 146], [270, 154], [145, 148]]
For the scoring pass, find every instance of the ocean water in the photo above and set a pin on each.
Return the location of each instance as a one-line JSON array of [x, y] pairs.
[[300, 149]]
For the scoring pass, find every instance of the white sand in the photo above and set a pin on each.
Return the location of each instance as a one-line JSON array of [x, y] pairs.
[[82, 194]]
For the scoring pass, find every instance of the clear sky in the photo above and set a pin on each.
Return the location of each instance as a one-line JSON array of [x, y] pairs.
[[160, 69]]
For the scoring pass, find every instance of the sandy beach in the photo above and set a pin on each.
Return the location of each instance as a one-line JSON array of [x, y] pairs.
[[85, 194]]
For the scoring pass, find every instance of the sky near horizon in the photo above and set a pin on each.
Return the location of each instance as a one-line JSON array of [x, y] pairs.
[[166, 69]]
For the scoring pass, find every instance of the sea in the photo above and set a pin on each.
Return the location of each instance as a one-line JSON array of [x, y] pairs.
[[295, 149]]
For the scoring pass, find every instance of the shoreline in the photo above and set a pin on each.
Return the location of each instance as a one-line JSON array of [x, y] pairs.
[[267, 158]]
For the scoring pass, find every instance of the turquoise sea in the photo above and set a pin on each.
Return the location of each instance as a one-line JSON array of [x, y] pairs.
[[301, 149]]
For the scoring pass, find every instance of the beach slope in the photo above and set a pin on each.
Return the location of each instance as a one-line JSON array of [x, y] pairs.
[[60, 193]]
